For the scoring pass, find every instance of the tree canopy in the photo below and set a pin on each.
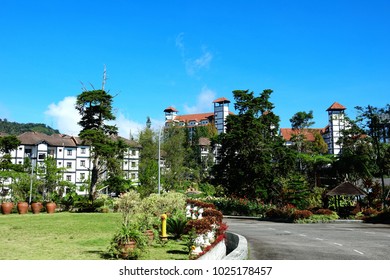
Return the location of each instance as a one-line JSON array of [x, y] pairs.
[[251, 153], [95, 109]]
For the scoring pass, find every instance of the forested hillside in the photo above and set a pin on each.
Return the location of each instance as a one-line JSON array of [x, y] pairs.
[[15, 128]]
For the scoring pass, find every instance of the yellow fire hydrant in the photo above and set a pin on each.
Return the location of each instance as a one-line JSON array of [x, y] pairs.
[[164, 235]]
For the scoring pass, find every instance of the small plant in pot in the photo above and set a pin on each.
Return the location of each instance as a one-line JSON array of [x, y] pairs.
[[129, 242]]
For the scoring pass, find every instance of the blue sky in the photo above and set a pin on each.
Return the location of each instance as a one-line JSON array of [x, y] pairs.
[[187, 53]]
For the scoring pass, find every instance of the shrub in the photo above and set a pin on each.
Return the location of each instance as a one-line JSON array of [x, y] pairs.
[[166, 203], [284, 212], [323, 212], [200, 204], [301, 214], [381, 217], [240, 206], [128, 204], [370, 212], [176, 224], [201, 225], [210, 212]]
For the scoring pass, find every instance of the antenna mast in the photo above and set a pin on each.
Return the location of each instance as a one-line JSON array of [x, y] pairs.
[[104, 77]]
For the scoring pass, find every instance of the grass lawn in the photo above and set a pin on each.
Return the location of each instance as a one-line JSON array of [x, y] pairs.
[[69, 236]]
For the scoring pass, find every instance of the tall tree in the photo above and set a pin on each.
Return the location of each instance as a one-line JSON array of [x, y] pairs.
[[174, 139], [148, 166], [251, 153], [95, 108], [375, 122]]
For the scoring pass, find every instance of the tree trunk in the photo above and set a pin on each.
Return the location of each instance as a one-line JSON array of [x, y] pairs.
[[94, 180]]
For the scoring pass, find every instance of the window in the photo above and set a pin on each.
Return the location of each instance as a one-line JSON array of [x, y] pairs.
[[82, 176], [133, 152], [60, 150], [68, 178], [69, 152], [83, 151], [41, 156], [69, 165], [133, 164], [82, 163]]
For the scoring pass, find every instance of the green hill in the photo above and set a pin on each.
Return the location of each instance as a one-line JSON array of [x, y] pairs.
[[15, 128]]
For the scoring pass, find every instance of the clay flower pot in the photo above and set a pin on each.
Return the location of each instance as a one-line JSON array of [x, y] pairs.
[[127, 248], [22, 207], [51, 207], [36, 207], [6, 207]]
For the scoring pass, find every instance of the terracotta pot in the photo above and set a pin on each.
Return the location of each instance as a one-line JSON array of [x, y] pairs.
[[126, 248], [36, 207], [150, 234], [22, 207], [6, 207], [51, 207]]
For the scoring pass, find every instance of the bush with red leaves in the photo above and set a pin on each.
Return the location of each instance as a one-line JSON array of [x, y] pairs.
[[323, 212], [301, 214]]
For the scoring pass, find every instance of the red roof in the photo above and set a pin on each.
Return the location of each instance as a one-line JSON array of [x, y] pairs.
[[221, 100], [336, 106], [170, 109], [309, 134], [194, 117]]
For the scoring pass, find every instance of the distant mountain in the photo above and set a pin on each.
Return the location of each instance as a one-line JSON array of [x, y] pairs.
[[15, 128]]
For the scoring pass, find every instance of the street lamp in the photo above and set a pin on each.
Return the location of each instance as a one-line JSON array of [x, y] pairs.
[[31, 179], [159, 160]]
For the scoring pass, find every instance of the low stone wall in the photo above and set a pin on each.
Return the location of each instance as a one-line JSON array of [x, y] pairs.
[[235, 248]]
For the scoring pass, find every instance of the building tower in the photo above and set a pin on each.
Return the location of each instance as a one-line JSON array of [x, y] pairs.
[[221, 111], [170, 114], [336, 125]]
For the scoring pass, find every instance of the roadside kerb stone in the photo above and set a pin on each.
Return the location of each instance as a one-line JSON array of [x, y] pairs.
[[235, 247]]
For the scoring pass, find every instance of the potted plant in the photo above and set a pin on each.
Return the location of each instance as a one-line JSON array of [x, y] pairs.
[[146, 222], [6, 206], [22, 207], [129, 241], [36, 204], [51, 205]]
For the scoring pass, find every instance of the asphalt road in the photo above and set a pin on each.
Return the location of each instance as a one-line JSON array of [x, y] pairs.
[[322, 241]]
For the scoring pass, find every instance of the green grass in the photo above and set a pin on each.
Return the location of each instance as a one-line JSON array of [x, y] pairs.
[[69, 236]]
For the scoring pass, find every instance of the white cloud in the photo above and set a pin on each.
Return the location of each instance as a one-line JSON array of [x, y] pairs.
[[204, 102], [203, 62], [127, 127], [65, 116], [179, 41], [193, 65]]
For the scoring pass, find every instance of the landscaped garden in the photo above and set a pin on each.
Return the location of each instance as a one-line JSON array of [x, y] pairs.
[[93, 236]]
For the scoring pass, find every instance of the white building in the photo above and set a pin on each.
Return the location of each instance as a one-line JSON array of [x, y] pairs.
[[216, 118], [331, 133], [71, 154]]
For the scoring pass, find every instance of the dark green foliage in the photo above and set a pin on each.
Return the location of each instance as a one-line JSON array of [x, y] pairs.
[[148, 166], [302, 120], [176, 225], [240, 206], [252, 154], [15, 128], [95, 108]]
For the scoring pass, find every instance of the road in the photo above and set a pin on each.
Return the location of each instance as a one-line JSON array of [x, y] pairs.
[[322, 241]]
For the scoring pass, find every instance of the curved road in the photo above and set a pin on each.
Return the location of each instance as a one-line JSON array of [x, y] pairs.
[[322, 241]]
